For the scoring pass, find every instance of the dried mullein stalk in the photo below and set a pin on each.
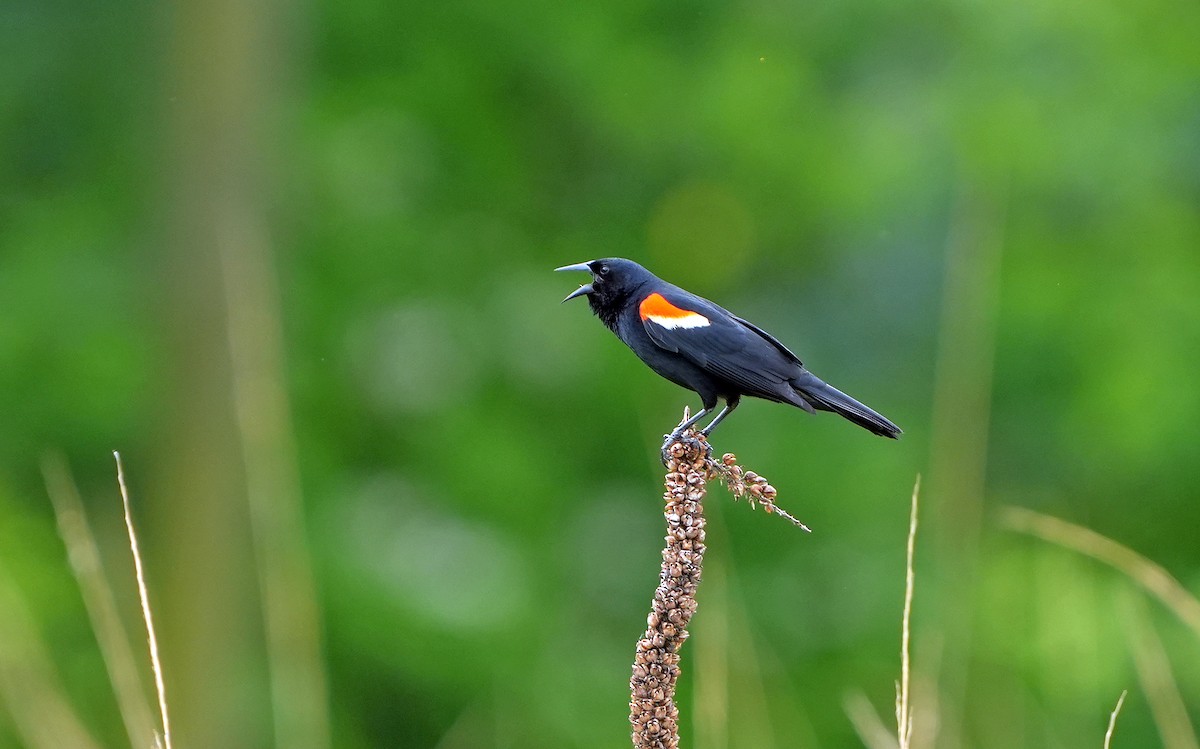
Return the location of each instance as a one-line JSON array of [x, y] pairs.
[[689, 462], [755, 488], [652, 709]]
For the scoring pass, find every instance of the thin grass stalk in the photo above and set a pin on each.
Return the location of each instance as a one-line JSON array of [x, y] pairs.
[[40, 709], [1112, 719], [904, 720], [1158, 683], [871, 730], [1147, 574], [289, 600], [99, 601], [144, 596], [959, 431]]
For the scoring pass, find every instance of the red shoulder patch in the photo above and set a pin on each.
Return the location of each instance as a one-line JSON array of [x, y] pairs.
[[656, 305], [657, 309]]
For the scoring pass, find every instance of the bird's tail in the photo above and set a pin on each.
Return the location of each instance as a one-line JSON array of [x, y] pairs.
[[825, 397]]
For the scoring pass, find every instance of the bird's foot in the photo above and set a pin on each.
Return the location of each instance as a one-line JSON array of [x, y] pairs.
[[681, 441], [668, 441]]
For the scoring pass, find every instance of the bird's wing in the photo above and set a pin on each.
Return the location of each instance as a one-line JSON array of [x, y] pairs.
[[718, 342], [770, 339]]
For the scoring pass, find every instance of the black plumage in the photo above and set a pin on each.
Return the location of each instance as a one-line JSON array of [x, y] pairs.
[[703, 347]]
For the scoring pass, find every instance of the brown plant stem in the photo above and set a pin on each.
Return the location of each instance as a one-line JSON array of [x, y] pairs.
[[652, 709], [690, 465]]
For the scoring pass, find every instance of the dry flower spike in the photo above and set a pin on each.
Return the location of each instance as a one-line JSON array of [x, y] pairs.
[[652, 710], [755, 488], [653, 713]]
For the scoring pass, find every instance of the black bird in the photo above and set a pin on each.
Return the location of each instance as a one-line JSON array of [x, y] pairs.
[[703, 347]]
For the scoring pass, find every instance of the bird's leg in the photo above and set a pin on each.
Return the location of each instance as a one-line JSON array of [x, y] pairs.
[[685, 425], [730, 404], [677, 433]]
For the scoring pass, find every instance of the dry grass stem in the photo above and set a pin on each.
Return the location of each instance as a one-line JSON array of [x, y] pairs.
[[289, 601], [1153, 667], [41, 713], [1158, 683], [99, 600], [904, 719], [867, 724], [1112, 719], [1149, 575], [155, 664]]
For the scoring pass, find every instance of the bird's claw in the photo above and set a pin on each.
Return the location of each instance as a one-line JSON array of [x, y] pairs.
[[687, 437], [665, 451]]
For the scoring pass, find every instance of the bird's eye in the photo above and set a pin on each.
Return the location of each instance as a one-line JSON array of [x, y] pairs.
[[604, 270]]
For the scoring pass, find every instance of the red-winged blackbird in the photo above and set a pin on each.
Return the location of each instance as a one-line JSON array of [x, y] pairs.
[[694, 343]]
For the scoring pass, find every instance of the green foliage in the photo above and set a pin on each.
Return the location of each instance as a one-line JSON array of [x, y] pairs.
[[479, 465]]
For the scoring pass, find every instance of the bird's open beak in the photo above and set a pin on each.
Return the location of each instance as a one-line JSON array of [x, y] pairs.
[[585, 289]]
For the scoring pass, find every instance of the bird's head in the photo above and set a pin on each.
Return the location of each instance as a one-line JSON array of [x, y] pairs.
[[613, 279]]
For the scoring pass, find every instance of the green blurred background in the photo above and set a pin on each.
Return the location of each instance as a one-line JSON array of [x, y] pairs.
[[293, 261]]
